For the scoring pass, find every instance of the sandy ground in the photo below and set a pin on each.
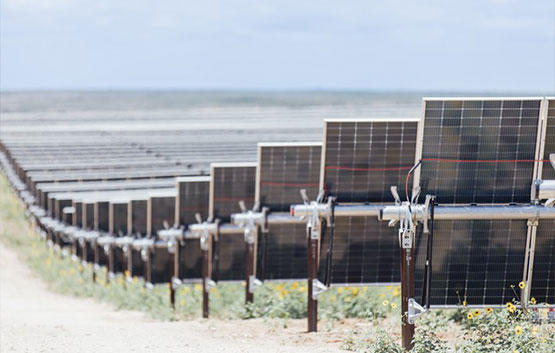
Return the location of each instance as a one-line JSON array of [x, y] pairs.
[[33, 319]]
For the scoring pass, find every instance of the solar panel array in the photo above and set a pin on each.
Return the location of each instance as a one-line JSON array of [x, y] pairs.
[[472, 151]]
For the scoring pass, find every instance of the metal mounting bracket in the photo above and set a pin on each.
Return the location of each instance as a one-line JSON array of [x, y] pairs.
[[318, 288], [176, 282], [415, 310], [254, 283], [209, 283]]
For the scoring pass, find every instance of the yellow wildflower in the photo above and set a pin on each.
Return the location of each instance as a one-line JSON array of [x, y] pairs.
[[186, 290], [396, 292], [469, 316], [533, 301], [522, 284], [535, 330], [393, 305], [295, 285], [385, 303], [354, 291], [489, 310], [198, 287], [340, 290], [182, 302], [285, 292], [365, 289], [464, 303], [332, 298], [477, 312], [518, 330], [280, 287], [126, 273], [302, 289], [135, 279]]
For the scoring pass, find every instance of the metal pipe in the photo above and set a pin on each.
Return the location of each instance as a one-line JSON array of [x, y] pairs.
[[470, 212], [339, 210]]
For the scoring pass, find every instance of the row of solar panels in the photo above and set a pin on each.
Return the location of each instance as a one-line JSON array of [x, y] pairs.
[[471, 151]]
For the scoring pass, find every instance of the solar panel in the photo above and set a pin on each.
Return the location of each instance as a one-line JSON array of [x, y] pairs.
[[362, 159], [160, 265], [160, 210], [88, 215], [283, 170], [548, 173], [229, 258], [479, 151], [543, 277], [59, 208], [78, 214], [138, 214], [193, 197], [190, 261], [281, 253], [365, 251], [231, 183], [118, 217], [474, 261], [542, 287], [102, 216]]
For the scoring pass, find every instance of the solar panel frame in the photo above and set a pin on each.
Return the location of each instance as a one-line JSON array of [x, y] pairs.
[[534, 174]]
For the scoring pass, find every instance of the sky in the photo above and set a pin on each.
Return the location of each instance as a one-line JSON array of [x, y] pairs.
[[426, 45]]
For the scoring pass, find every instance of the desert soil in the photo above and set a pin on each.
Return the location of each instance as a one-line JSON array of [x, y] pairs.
[[33, 319]]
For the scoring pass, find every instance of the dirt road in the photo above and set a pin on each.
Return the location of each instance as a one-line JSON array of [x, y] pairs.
[[33, 319]]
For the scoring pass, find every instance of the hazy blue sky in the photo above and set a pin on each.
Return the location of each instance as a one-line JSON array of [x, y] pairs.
[[475, 45]]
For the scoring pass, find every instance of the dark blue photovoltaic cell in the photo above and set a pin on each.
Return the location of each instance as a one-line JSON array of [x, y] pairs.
[[479, 151], [477, 261]]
